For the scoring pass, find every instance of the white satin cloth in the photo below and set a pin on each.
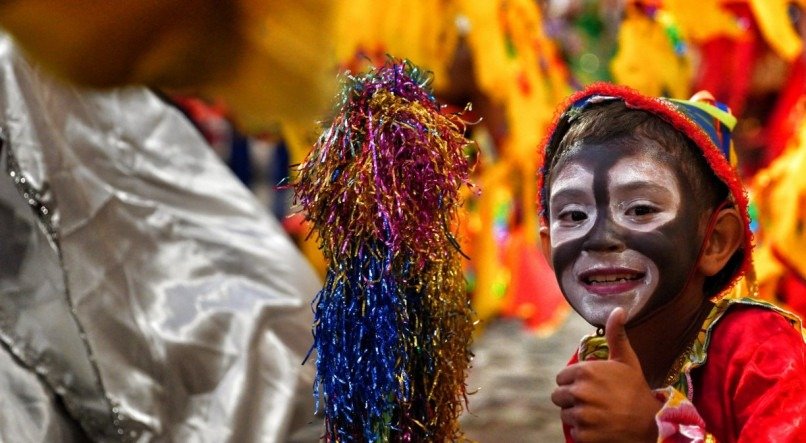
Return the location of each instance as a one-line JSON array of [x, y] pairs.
[[145, 294]]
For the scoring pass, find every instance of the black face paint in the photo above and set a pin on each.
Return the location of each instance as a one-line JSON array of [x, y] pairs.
[[673, 247]]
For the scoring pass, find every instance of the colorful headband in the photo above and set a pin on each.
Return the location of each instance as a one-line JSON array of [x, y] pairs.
[[704, 121], [713, 117]]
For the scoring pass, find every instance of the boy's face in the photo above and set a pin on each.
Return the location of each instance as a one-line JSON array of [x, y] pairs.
[[623, 226]]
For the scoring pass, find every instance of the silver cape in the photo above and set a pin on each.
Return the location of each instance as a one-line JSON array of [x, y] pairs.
[[145, 294]]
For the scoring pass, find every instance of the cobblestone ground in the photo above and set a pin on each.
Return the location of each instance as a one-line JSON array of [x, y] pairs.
[[514, 372], [512, 376]]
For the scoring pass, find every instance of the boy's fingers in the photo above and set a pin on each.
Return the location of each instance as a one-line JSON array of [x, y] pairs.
[[617, 340], [568, 375], [562, 397]]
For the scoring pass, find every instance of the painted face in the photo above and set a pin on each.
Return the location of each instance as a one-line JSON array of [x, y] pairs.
[[621, 231]]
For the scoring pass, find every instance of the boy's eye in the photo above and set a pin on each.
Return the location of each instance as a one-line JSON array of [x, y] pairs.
[[578, 216], [641, 210], [573, 216]]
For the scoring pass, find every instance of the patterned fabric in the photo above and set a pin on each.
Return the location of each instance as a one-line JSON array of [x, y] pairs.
[[715, 119], [678, 419], [712, 117]]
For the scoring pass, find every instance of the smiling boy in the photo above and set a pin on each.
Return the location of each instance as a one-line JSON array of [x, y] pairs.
[[645, 223]]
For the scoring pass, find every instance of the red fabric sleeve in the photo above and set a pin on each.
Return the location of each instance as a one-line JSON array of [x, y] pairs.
[[753, 385]]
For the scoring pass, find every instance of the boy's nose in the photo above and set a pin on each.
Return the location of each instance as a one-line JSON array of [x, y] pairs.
[[605, 235]]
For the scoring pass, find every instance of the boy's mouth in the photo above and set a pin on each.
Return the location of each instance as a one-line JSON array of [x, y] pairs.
[[611, 281]]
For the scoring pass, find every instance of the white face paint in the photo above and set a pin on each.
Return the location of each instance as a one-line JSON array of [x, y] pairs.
[[644, 193], [599, 283], [571, 198], [643, 196]]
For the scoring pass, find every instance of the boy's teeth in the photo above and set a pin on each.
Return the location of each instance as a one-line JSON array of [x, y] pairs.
[[610, 278]]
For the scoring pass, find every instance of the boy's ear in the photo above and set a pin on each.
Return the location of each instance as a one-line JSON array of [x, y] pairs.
[[725, 239], [545, 243]]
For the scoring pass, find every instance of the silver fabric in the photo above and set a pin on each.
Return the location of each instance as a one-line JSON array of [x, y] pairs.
[[145, 294]]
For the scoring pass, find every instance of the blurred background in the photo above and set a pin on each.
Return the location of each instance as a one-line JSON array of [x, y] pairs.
[[514, 61], [254, 77]]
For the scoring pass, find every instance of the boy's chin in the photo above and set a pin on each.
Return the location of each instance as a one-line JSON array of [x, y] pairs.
[[597, 316], [596, 308]]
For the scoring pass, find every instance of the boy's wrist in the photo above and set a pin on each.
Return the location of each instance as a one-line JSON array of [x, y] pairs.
[[651, 431]]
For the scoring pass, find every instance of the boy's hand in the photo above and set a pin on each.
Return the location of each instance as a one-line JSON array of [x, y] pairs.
[[608, 400]]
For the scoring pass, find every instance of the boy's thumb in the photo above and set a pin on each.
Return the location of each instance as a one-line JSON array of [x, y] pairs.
[[617, 340]]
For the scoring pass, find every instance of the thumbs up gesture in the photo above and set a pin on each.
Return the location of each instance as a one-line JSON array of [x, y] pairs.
[[617, 341], [608, 400]]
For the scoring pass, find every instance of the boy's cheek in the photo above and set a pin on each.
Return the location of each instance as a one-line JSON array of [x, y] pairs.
[[564, 255], [673, 250]]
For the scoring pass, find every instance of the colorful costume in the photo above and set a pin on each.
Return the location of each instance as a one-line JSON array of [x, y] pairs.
[[742, 379], [779, 191], [731, 35]]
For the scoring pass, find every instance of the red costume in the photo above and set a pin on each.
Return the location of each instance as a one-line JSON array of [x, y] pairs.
[[743, 380]]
